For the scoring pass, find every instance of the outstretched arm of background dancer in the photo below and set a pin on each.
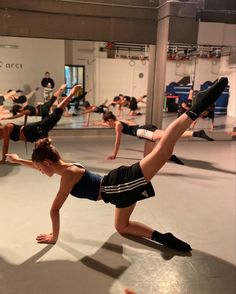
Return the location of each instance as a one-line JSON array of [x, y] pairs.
[[101, 123], [118, 130], [87, 119], [14, 158], [88, 110], [24, 112]]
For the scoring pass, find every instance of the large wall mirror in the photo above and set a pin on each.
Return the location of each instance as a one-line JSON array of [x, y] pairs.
[[106, 70], [196, 66], [103, 69]]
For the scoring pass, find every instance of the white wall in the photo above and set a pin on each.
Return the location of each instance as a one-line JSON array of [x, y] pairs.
[[199, 69], [217, 34], [176, 70], [222, 34], [115, 76], [108, 77], [29, 61], [206, 70]]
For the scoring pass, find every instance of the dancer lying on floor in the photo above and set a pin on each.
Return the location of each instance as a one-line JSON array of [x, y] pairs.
[[42, 110]]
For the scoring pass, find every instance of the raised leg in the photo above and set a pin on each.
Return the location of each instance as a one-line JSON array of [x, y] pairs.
[[154, 161]]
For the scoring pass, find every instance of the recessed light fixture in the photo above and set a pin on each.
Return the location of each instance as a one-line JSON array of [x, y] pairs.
[[8, 46]]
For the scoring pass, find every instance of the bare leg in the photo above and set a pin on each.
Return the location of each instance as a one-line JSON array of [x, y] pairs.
[[150, 165], [124, 226], [154, 161], [67, 99], [148, 147], [193, 124], [212, 123]]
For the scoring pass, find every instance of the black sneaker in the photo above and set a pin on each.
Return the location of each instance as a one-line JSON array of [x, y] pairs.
[[170, 241], [175, 159], [204, 99], [202, 134]]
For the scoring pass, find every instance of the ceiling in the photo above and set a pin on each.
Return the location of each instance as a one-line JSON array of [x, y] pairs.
[[208, 10]]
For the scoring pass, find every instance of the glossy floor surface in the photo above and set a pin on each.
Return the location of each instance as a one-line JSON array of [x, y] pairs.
[[196, 202]]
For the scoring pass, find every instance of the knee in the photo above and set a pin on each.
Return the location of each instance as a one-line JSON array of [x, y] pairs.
[[166, 151], [120, 228]]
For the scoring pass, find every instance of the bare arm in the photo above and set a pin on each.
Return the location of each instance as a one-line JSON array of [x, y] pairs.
[[101, 123], [88, 110], [88, 119], [60, 90], [190, 95], [68, 180], [25, 112], [118, 129], [14, 158], [6, 138]]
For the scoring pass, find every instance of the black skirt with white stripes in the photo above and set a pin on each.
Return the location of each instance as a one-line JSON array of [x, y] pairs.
[[125, 186]]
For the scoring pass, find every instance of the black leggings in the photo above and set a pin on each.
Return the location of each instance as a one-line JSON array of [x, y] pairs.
[[44, 108], [39, 130]]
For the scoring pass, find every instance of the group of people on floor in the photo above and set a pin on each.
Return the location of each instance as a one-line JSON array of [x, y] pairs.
[[61, 101], [123, 186]]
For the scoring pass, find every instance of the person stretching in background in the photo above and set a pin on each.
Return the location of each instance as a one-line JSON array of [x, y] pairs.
[[3, 98], [33, 131], [42, 110], [148, 132]]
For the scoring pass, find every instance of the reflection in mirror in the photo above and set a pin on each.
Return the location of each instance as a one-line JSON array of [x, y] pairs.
[[191, 68], [104, 71]]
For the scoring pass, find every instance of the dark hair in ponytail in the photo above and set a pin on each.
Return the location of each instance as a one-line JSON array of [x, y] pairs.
[[44, 150]]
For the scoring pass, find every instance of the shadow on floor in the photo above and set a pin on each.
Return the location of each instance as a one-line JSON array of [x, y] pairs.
[[119, 263], [7, 168], [195, 163]]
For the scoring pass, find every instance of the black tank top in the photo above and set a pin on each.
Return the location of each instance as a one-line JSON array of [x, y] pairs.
[[88, 186], [129, 130]]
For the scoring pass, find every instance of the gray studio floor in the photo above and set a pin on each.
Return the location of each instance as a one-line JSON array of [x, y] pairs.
[[196, 202]]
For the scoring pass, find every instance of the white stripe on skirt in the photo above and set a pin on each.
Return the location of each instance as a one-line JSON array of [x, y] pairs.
[[120, 188]]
